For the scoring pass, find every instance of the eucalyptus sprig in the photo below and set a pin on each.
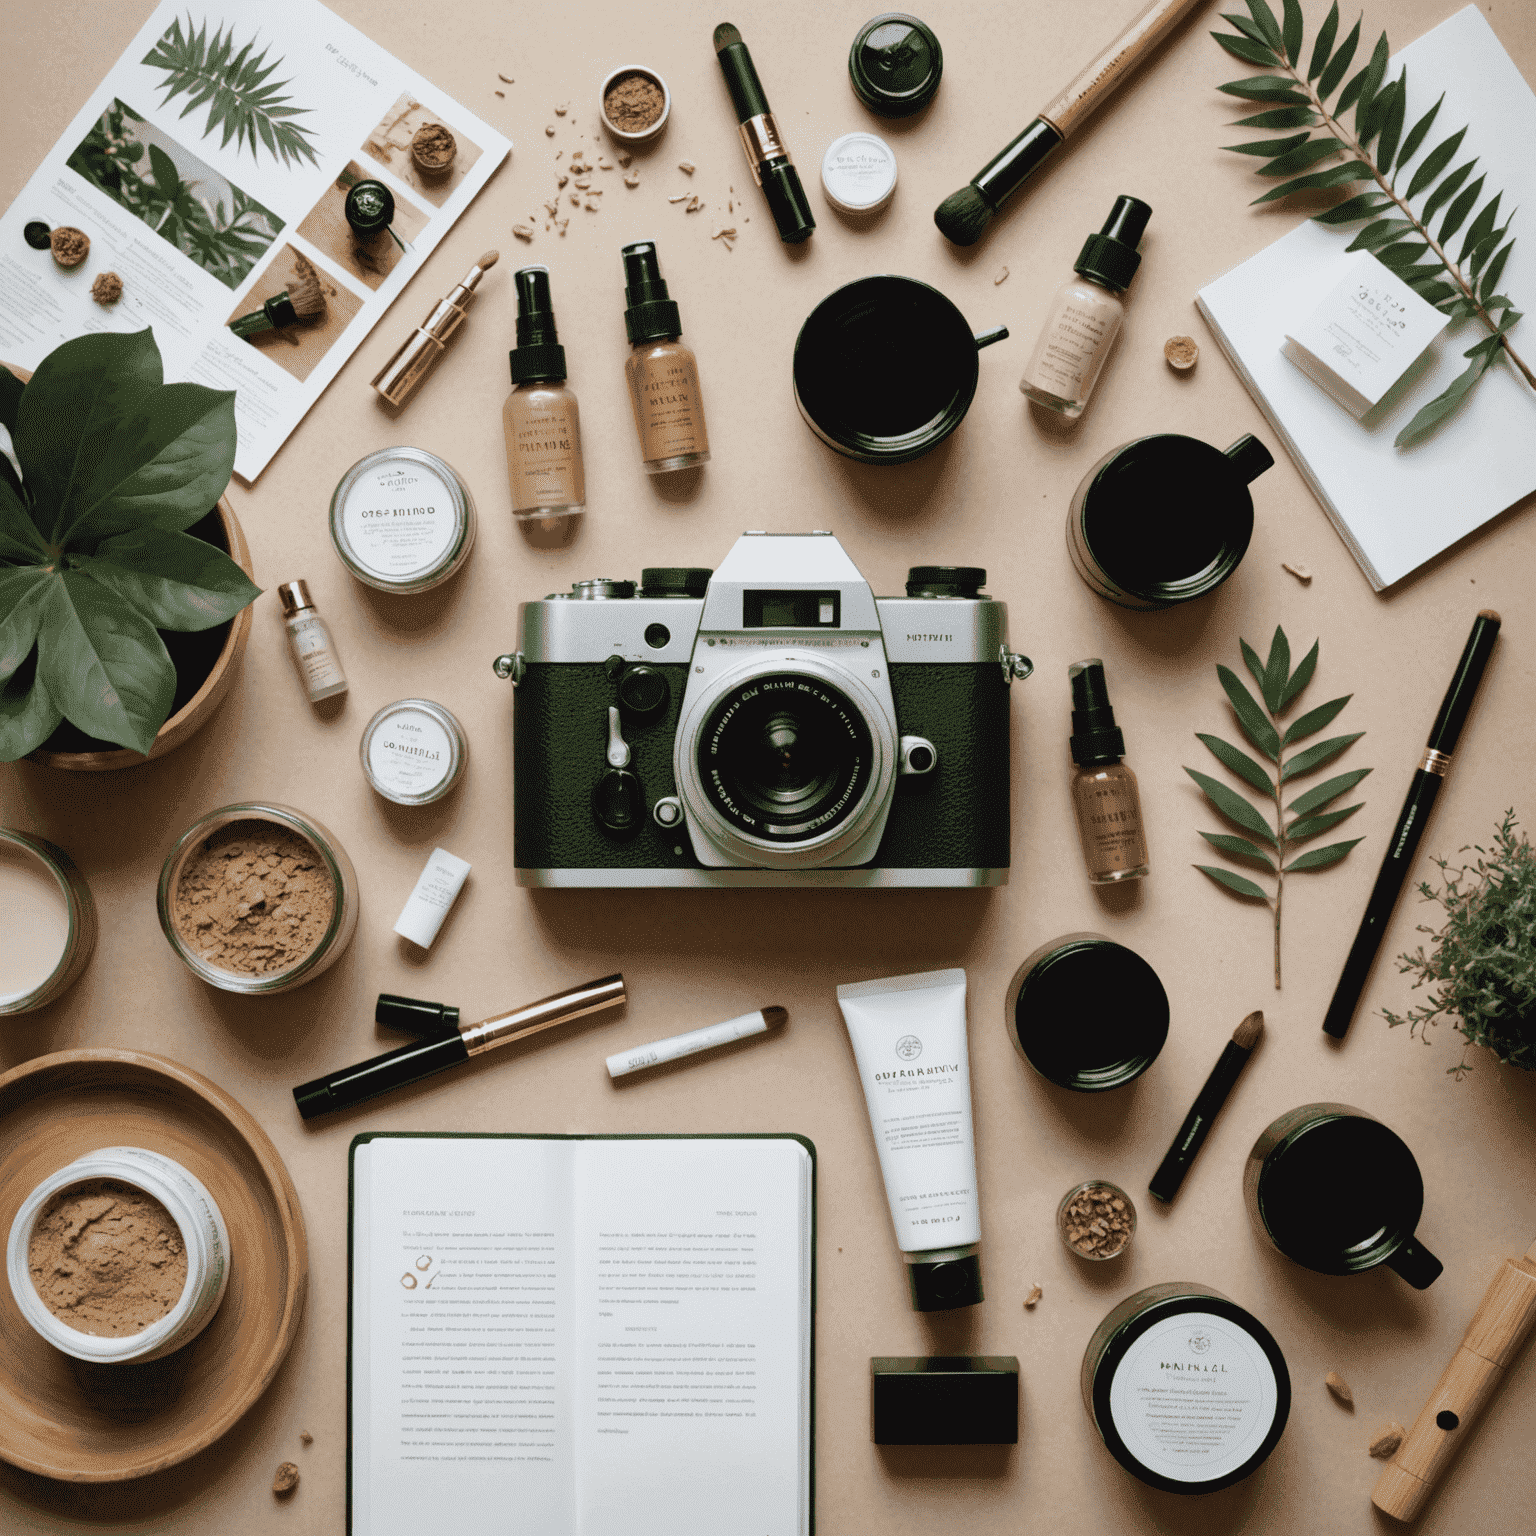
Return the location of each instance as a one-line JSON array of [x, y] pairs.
[[1279, 687], [1400, 238]]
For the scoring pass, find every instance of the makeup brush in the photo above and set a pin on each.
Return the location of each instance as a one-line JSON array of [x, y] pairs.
[[963, 216], [1197, 1123], [302, 299]]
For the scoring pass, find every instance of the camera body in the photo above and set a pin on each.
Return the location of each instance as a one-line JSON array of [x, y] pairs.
[[768, 723]]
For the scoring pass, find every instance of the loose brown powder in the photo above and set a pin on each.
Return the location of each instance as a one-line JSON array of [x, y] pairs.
[[254, 899], [1097, 1222], [433, 147], [108, 288], [632, 103], [70, 245], [106, 1258]]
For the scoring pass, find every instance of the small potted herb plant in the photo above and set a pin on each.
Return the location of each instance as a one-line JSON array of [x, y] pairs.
[[101, 562], [1485, 955]]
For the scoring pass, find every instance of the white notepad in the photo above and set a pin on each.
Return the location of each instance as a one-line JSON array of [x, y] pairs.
[[1397, 508], [576, 1336]]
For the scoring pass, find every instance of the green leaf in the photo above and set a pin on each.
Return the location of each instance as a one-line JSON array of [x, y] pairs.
[[1291, 28], [1276, 670], [1494, 273], [1321, 858], [1309, 826], [1315, 757], [1483, 250], [1329, 789], [1433, 163], [1390, 134], [1300, 158], [1248, 51], [1379, 232], [1374, 73], [1264, 19], [103, 664], [1360, 206], [1239, 848], [1232, 805], [174, 580], [1281, 117], [1337, 176], [28, 717], [1240, 763], [1254, 665], [1418, 133], [1266, 88], [1456, 214], [19, 538], [1324, 42], [1234, 882], [1255, 723], [1443, 403], [1402, 255], [1482, 227], [11, 388], [1301, 676], [1333, 71], [1433, 292], [1247, 27], [23, 591], [163, 170], [1315, 719], [1268, 147]]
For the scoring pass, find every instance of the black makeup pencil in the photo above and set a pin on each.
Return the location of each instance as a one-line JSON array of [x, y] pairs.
[[1197, 1123], [772, 168], [1410, 822]]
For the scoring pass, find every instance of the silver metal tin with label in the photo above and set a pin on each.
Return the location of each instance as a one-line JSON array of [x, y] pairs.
[[413, 751], [402, 520]]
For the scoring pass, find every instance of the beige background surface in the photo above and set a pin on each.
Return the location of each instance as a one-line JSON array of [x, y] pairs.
[[995, 496]]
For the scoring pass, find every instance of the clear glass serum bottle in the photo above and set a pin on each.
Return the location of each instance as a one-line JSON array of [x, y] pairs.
[[1105, 796], [540, 420], [1086, 313], [662, 374], [309, 641]]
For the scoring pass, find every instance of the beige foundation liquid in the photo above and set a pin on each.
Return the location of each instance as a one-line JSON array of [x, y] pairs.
[[34, 919], [662, 374], [541, 421], [1105, 798]]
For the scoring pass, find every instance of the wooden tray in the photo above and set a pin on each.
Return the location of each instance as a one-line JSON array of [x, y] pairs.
[[85, 1423]]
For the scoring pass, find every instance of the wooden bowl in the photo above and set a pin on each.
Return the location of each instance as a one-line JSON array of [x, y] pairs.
[[85, 1423], [194, 714]]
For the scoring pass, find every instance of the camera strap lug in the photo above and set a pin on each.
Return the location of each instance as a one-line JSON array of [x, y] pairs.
[[1015, 666], [510, 668]]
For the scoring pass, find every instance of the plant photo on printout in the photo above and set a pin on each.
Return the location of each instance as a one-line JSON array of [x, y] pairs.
[[184, 201]]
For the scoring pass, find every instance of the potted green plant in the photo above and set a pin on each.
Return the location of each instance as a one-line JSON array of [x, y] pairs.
[[98, 561], [1485, 955]]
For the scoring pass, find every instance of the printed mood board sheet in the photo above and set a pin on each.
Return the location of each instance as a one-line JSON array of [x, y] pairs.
[[210, 170]]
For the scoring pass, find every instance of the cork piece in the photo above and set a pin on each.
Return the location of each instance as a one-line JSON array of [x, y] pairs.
[[1385, 1441], [1033, 1299], [286, 1480], [1300, 572], [1182, 352], [1340, 1388], [1002, 276]]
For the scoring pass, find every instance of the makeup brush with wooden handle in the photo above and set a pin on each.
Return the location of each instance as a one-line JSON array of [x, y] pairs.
[[302, 299], [963, 216], [1493, 1338]]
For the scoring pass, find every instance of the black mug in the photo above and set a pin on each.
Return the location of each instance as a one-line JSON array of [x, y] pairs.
[[1338, 1192], [885, 369], [1164, 519]]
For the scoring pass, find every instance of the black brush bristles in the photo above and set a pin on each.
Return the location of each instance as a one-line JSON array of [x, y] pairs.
[[963, 216], [725, 35]]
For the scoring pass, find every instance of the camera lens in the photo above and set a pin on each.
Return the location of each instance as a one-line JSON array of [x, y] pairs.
[[785, 757]]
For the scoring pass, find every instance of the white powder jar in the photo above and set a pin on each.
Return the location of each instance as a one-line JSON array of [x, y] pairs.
[[858, 173], [413, 751], [402, 520]]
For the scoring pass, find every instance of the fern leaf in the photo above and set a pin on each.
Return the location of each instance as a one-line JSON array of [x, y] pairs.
[[1418, 133], [1324, 42], [1456, 214], [1334, 70]]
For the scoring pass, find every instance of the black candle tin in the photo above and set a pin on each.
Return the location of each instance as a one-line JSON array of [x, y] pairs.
[[895, 64], [1164, 519], [1189, 1392], [885, 369], [1086, 1013]]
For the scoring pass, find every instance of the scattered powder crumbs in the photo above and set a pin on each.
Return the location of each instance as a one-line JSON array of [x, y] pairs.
[[70, 245], [523, 231], [632, 180], [286, 1480], [687, 167], [254, 899], [107, 1258], [1301, 572], [501, 93], [1385, 1441], [107, 289], [1002, 276], [1182, 352], [1340, 1389], [505, 79], [304, 1434], [625, 157], [1032, 1300], [561, 111], [682, 199]]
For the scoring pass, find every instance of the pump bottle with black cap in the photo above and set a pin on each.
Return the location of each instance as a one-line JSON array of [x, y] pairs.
[[1086, 314], [663, 376], [540, 419], [1104, 791]]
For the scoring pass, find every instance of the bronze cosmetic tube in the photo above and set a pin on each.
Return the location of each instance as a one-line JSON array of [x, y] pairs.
[[403, 374]]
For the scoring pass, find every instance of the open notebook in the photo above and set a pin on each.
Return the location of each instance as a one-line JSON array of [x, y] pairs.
[[1396, 508], [577, 1336]]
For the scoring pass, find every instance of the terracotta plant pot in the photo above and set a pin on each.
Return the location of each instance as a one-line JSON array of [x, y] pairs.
[[186, 721]]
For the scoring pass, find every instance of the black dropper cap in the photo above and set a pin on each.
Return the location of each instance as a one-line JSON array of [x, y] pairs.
[[1110, 257], [415, 1016], [538, 356], [370, 207], [651, 315], [1096, 739]]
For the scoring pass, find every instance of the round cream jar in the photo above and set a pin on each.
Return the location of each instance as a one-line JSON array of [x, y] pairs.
[[1189, 1392], [204, 1238], [858, 173], [413, 751], [402, 520], [47, 922]]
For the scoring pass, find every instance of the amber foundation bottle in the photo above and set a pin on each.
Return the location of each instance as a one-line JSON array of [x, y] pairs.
[[1104, 792], [540, 419], [663, 376]]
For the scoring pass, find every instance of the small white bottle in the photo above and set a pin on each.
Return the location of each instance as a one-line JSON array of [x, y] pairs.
[[314, 653], [1085, 315]]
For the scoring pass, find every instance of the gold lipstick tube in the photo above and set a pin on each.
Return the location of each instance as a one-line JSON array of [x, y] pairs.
[[574, 1003], [403, 374]]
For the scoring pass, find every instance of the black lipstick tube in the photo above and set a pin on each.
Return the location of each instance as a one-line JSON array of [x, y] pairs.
[[772, 168]]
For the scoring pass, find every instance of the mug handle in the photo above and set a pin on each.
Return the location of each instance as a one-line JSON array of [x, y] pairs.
[[986, 338], [1416, 1264]]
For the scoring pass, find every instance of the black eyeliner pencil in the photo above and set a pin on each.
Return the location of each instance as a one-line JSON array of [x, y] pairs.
[[1202, 1115], [1411, 821], [772, 168]]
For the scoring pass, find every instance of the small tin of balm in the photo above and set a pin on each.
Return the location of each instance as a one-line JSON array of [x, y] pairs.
[[413, 751], [1189, 1392], [858, 173], [895, 64], [1086, 1013], [402, 520]]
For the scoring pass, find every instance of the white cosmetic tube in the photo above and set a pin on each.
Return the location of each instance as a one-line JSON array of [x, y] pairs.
[[658, 1051], [436, 891], [908, 1035]]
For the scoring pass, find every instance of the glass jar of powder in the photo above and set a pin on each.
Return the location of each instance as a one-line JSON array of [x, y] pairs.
[[49, 922], [402, 520], [257, 898], [413, 751]]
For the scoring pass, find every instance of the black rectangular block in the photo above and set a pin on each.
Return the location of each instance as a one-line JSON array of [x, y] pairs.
[[945, 1399]]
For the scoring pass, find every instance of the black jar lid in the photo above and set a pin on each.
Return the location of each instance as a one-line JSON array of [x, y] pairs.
[[370, 207], [1087, 1013], [895, 64]]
